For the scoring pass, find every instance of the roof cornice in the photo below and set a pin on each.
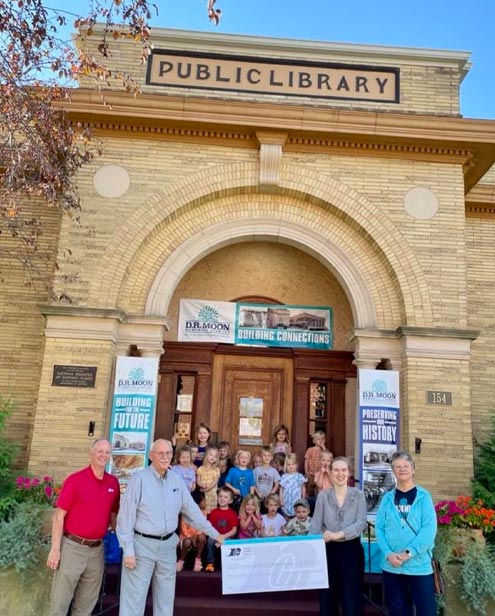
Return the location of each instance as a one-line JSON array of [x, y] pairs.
[[473, 139]]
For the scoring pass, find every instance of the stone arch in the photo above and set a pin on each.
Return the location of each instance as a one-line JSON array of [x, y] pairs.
[[297, 182], [217, 236]]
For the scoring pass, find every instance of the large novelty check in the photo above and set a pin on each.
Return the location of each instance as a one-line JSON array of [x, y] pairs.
[[274, 564]]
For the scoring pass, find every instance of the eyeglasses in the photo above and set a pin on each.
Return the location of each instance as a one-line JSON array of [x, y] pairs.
[[402, 468], [163, 454]]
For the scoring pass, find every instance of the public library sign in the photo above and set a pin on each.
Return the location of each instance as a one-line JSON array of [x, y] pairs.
[[272, 76]]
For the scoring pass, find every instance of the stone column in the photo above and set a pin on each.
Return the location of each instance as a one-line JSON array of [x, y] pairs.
[[438, 360], [83, 337], [73, 337]]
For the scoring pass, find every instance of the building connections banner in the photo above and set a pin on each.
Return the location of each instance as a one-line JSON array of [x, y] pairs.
[[309, 327], [379, 410], [133, 412]]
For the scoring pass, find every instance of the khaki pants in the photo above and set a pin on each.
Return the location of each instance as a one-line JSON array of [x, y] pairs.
[[79, 576], [155, 563]]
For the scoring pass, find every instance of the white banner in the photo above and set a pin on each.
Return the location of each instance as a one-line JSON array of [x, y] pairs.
[[379, 410], [274, 564], [133, 412], [205, 321]]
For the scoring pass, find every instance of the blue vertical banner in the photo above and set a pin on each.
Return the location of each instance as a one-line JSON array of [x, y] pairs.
[[133, 413], [379, 413]]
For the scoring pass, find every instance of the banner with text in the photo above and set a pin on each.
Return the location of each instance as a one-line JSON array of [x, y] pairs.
[[379, 406], [308, 327], [205, 321], [133, 409], [271, 325]]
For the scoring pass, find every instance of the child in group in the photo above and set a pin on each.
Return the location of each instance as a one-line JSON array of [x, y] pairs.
[[272, 523], [249, 518], [207, 477], [190, 538], [203, 435], [222, 467], [257, 461], [280, 440], [323, 478], [266, 477], [184, 468], [312, 459], [292, 486], [224, 520], [224, 453], [194, 453], [278, 462], [240, 478], [301, 523]]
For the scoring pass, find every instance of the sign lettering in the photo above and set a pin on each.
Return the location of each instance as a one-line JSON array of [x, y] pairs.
[[272, 76]]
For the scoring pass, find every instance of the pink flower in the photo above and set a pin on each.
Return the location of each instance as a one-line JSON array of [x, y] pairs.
[[48, 491], [47, 479]]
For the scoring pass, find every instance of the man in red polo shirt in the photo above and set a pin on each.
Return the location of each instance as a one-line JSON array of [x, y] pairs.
[[87, 504]]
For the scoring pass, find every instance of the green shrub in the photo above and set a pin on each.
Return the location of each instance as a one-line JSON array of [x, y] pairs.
[[484, 470], [8, 451], [477, 577], [21, 536]]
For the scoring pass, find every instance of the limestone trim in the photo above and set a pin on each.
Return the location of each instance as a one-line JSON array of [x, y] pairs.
[[371, 346], [436, 343], [430, 152], [207, 185], [82, 311], [377, 127], [144, 331], [481, 200], [271, 150], [195, 248], [304, 48], [439, 332]]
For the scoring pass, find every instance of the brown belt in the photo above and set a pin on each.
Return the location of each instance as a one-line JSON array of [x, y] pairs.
[[91, 543]]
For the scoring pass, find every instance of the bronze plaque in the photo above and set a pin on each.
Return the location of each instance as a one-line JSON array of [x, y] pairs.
[[74, 376]]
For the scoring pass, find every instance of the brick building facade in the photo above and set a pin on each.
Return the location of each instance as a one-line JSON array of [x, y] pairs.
[[383, 208]]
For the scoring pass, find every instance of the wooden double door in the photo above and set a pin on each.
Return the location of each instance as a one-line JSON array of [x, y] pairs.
[[244, 393]]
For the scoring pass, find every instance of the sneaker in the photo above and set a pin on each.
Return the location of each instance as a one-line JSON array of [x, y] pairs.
[[210, 567], [179, 566], [198, 565]]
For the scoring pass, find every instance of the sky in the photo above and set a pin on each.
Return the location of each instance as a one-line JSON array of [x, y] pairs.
[[436, 24]]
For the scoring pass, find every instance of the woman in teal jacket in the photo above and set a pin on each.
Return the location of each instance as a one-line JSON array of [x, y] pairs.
[[406, 526]]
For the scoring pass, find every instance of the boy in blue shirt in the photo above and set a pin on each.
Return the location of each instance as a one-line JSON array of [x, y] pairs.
[[240, 478]]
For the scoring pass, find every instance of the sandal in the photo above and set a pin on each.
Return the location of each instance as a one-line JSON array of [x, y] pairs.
[[198, 565]]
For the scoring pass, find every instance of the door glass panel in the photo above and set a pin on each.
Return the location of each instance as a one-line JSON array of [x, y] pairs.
[[184, 407], [318, 407]]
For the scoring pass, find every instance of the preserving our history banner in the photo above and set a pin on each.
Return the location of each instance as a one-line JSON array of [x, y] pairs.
[[133, 411], [379, 410]]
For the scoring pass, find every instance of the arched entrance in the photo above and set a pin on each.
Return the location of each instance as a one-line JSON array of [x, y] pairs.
[[303, 389]]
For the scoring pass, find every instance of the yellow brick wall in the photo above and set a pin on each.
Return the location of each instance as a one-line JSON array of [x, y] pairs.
[[425, 86], [480, 243], [446, 431], [60, 431], [489, 177], [127, 240], [21, 323]]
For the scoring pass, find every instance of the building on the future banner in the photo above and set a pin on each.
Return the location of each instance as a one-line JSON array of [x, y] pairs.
[[316, 207]]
